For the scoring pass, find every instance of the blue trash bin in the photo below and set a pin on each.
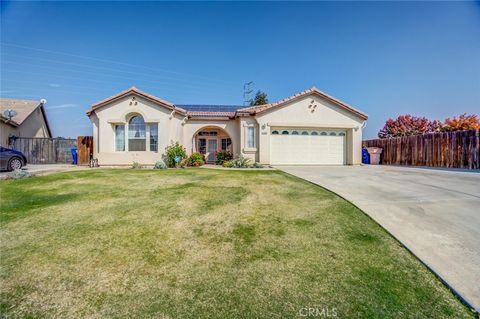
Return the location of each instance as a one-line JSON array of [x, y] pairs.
[[365, 156], [74, 155]]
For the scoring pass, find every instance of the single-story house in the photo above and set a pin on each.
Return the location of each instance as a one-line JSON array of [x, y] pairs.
[[308, 128], [30, 120]]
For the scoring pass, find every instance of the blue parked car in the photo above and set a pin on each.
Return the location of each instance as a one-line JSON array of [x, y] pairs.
[[11, 160]]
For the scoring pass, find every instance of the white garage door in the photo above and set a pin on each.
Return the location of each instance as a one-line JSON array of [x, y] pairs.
[[307, 146]]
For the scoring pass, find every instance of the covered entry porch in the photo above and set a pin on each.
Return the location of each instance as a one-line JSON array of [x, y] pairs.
[[210, 140]]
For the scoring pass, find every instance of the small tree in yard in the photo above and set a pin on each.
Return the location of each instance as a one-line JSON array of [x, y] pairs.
[[172, 152], [260, 99], [462, 123]]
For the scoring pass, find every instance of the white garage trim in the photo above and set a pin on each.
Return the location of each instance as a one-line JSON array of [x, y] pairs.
[[313, 125], [308, 146]]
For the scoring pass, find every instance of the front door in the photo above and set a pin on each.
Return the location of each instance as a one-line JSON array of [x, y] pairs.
[[211, 150]]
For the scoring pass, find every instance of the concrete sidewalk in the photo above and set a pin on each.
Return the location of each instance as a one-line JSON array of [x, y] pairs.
[[434, 213]]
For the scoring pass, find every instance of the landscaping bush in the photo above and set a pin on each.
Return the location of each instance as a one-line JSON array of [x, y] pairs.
[[160, 164], [257, 165], [19, 174], [136, 165], [223, 156], [183, 163], [227, 164], [173, 151], [241, 162], [196, 159]]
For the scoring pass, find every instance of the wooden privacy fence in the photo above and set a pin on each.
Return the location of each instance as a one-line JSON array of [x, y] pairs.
[[459, 149], [40, 150], [84, 149]]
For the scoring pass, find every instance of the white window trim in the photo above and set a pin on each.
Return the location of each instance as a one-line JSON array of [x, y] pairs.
[[126, 137], [115, 137], [148, 134], [249, 149]]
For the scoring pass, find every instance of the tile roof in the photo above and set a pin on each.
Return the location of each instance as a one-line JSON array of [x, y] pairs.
[[209, 108], [210, 111], [226, 111], [313, 90], [133, 89], [209, 114]]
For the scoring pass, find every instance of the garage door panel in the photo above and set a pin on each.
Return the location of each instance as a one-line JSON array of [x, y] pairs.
[[309, 149]]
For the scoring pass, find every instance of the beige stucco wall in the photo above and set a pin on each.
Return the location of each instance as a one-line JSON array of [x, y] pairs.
[[173, 127], [192, 127], [249, 152], [170, 129], [299, 114]]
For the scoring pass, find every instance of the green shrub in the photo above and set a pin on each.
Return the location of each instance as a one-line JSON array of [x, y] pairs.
[[19, 174], [160, 164], [196, 159], [183, 163], [136, 165], [223, 156], [241, 162], [176, 150], [257, 165], [227, 164]]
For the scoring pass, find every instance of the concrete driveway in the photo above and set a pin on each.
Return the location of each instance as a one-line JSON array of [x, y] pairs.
[[434, 213]]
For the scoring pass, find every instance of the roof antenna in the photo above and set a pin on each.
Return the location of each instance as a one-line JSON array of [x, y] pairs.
[[247, 93]]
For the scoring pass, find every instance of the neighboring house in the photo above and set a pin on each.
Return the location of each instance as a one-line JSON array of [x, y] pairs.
[[310, 127], [30, 120]]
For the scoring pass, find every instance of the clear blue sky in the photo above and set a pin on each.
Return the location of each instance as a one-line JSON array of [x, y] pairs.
[[385, 58]]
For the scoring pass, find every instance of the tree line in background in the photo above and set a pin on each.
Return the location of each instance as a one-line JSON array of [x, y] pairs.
[[408, 125]]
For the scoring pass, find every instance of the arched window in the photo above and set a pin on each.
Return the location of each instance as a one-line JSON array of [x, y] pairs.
[[274, 132], [341, 134], [304, 133], [285, 133], [136, 134], [323, 133], [294, 133], [333, 134], [314, 133]]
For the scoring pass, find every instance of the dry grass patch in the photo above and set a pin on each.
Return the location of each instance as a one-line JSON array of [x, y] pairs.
[[201, 243]]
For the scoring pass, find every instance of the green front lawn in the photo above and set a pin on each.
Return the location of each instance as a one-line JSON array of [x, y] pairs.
[[201, 243]]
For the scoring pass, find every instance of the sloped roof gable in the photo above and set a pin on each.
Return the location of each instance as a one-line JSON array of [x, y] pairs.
[[313, 90], [134, 90], [225, 111]]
